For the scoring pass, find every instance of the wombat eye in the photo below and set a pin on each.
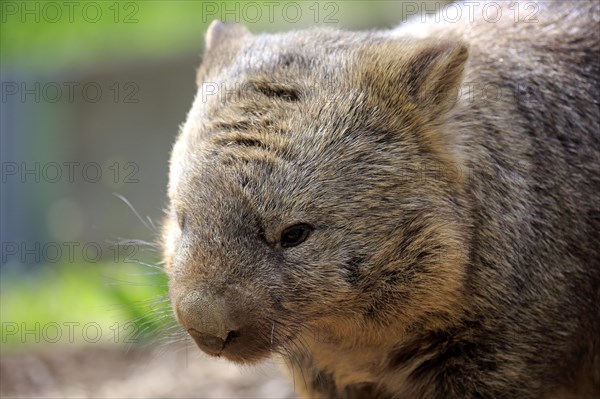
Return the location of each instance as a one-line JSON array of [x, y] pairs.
[[295, 235]]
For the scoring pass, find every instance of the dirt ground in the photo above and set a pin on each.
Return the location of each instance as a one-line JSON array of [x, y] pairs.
[[114, 372]]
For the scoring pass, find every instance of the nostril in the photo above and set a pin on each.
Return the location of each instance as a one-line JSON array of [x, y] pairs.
[[231, 336], [207, 342]]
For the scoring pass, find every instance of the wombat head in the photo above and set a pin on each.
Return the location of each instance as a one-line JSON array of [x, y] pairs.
[[305, 189]]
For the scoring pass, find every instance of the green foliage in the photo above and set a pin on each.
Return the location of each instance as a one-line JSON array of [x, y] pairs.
[[72, 303], [54, 35], [49, 37]]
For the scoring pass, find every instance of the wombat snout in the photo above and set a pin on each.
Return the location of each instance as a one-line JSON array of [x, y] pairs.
[[211, 344], [208, 320]]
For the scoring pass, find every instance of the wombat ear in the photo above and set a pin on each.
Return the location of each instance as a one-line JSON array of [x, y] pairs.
[[224, 34], [434, 75], [223, 41], [414, 75]]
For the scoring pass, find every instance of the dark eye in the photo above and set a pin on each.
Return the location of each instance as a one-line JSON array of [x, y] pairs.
[[295, 235]]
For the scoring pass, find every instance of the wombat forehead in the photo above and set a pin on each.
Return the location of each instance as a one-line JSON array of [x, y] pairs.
[[324, 51]]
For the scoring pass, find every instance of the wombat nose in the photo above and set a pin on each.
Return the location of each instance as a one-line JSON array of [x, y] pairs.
[[207, 319], [208, 343]]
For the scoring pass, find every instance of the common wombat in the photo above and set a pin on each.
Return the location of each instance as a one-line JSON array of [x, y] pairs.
[[411, 213]]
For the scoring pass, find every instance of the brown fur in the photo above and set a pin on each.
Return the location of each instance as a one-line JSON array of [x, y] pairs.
[[454, 250]]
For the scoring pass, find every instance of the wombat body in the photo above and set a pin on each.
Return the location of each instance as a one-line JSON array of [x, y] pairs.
[[411, 213]]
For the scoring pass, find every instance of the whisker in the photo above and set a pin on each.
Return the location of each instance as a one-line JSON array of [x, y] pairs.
[[112, 281], [151, 222], [133, 241], [145, 223], [272, 331], [150, 265]]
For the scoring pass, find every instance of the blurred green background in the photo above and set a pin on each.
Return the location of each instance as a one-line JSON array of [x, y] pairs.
[[92, 97]]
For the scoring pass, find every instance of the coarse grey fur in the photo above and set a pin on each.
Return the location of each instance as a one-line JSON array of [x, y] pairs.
[[454, 243]]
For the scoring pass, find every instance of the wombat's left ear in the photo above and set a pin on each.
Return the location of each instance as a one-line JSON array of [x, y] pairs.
[[434, 75], [412, 75], [223, 41]]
